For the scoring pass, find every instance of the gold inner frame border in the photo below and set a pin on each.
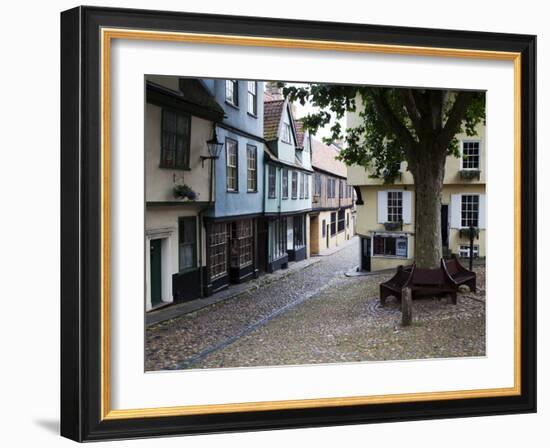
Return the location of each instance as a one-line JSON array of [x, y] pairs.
[[107, 35]]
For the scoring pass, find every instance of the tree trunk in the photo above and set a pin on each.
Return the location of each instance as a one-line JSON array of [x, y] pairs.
[[428, 171]]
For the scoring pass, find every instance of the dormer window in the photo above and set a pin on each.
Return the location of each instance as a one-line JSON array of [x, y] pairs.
[[285, 136]]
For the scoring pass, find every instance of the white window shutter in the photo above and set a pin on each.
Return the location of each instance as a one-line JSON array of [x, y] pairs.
[[382, 207], [456, 211], [407, 201], [482, 212]]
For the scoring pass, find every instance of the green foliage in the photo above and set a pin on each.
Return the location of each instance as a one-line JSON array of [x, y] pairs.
[[470, 174], [394, 124], [184, 192]]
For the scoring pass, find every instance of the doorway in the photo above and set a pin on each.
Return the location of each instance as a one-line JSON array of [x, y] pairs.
[[263, 232], [314, 235], [155, 254], [365, 254], [445, 226]]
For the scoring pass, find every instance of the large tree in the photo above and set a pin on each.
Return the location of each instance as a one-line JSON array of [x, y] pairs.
[[398, 124]]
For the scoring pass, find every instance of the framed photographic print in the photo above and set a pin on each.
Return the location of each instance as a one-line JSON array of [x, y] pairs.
[[276, 224]]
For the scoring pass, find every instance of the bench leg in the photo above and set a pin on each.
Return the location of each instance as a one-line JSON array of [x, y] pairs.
[[382, 297], [406, 307], [472, 285]]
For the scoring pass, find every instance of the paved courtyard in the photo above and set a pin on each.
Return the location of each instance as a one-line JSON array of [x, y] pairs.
[[317, 315]]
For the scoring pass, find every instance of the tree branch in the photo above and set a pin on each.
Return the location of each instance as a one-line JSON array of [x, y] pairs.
[[412, 109], [391, 120], [421, 99], [456, 115]]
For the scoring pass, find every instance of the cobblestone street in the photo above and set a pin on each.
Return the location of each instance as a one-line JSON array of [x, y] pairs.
[[317, 315]]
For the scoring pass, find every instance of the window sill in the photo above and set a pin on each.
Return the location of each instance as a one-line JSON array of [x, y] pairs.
[[397, 257], [242, 266], [188, 270], [252, 115], [164, 167], [234, 106], [280, 257], [232, 191]]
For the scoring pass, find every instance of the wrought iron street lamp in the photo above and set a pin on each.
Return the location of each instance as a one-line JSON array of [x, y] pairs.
[[214, 148]]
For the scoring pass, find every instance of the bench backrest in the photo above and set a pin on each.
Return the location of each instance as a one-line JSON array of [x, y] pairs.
[[402, 276], [452, 267], [428, 277]]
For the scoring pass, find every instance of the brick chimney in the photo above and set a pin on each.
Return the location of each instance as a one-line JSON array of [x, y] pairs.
[[272, 92]]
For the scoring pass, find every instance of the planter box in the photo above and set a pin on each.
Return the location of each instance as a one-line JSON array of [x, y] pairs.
[[393, 225], [470, 174]]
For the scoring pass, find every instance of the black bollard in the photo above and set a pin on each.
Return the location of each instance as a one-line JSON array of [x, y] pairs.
[[472, 234]]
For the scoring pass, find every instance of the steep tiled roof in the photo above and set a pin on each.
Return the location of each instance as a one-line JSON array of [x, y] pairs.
[[299, 133], [272, 117], [324, 158]]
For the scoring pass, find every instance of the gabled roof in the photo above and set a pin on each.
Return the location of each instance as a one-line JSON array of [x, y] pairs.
[[323, 157], [299, 133], [273, 111]]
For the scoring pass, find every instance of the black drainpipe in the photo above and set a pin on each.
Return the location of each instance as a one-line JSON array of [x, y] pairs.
[[201, 223]]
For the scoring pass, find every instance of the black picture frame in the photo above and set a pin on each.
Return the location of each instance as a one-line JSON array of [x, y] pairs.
[[81, 224]]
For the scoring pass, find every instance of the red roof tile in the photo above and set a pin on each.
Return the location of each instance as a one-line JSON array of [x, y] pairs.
[[272, 118]]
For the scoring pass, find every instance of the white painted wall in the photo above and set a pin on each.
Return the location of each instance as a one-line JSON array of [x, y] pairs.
[[160, 182], [162, 223]]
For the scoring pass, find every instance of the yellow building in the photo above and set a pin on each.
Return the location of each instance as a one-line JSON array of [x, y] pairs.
[[385, 213], [332, 214]]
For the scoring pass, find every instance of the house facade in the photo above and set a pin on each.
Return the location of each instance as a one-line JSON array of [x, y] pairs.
[[287, 195], [201, 213], [176, 132], [332, 217], [231, 223], [386, 213]]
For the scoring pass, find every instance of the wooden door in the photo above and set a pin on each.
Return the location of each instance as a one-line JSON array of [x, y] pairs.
[[314, 235], [365, 254], [156, 272]]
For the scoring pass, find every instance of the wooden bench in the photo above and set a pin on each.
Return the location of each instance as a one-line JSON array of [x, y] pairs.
[[410, 282], [459, 273], [394, 285], [424, 282]]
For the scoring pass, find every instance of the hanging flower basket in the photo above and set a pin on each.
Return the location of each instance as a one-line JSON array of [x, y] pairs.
[[465, 233], [185, 192]]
